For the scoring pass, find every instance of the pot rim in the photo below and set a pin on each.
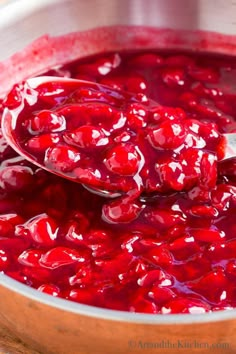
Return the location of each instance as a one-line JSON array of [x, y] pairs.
[[114, 315]]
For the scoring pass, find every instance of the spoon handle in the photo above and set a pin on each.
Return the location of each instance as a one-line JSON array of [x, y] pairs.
[[230, 145]]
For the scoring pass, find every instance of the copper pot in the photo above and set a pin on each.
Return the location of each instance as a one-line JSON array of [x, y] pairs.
[[53, 325]]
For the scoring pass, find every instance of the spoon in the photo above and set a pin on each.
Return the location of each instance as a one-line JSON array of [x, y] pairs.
[[34, 123]]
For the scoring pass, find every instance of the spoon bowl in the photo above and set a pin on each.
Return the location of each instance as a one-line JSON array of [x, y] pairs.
[[33, 90], [49, 93], [104, 138]]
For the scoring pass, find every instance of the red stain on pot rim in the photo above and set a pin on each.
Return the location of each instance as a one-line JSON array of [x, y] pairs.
[[46, 51]]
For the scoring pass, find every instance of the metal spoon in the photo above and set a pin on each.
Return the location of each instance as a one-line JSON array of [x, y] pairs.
[[9, 121], [28, 95]]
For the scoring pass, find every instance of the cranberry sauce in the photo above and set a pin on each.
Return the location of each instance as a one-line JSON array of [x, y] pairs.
[[114, 141], [166, 245]]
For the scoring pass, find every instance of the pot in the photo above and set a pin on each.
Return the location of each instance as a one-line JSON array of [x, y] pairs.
[[32, 31]]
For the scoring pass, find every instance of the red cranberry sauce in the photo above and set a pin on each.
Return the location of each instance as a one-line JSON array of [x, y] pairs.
[[170, 247], [113, 141]]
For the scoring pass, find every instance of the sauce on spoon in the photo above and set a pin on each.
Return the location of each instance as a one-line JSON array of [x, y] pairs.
[[115, 143]]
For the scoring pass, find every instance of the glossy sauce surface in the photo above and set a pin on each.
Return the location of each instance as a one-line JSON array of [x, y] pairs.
[[163, 254]]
